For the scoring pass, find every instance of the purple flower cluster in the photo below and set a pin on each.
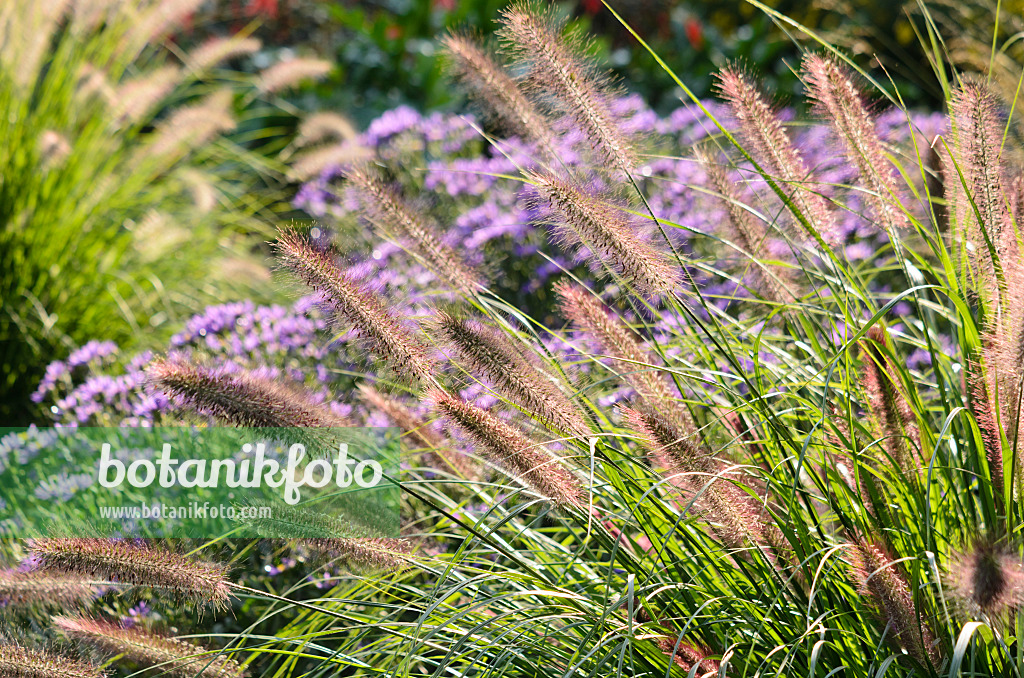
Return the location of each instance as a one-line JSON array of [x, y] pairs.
[[281, 342], [489, 215]]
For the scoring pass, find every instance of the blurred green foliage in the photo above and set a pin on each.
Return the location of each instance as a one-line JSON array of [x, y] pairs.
[[123, 205], [386, 49]]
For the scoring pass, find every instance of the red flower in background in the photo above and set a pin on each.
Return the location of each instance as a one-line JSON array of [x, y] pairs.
[[694, 33], [267, 8]]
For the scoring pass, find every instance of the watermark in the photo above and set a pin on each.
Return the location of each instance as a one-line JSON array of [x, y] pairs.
[[199, 482], [247, 473], [190, 512]]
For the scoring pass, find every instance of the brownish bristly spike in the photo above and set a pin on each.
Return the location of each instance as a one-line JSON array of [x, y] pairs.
[[239, 398], [532, 464], [489, 352], [364, 554], [839, 101], [35, 588], [169, 655], [596, 222], [414, 229], [136, 564], [986, 579], [750, 234], [974, 176], [691, 468], [625, 350], [762, 129], [689, 656], [552, 65], [17, 661], [477, 68], [979, 403], [418, 430], [887, 404], [360, 308], [879, 580]]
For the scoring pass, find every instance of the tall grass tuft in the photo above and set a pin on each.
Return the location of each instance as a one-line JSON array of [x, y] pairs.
[[815, 479]]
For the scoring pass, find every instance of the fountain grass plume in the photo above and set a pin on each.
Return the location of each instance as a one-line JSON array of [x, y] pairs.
[[523, 459], [412, 426], [18, 661], [243, 399], [689, 657], [441, 452], [490, 354], [364, 554], [414, 229], [986, 579], [979, 402], [879, 581], [761, 127], [887, 404], [359, 307], [35, 589], [750, 234], [137, 564], [477, 68], [691, 468], [839, 101], [974, 176], [217, 50], [552, 66], [627, 354], [169, 655], [287, 74], [582, 218]]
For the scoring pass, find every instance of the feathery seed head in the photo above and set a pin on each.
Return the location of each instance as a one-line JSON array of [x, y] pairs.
[[135, 564], [442, 455], [136, 98], [167, 654], [627, 354], [689, 656], [510, 449], [839, 101], [417, 429], [761, 128], [17, 661], [986, 580], [219, 49], [692, 469], [163, 17], [192, 126], [974, 176], [364, 554], [359, 307], [552, 65], [36, 588], [583, 219], [414, 229], [288, 74], [750, 233], [878, 579], [477, 69], [242, 399], [324, 125], [522, 381], [887, 404], [312, 162], [980, 404]]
